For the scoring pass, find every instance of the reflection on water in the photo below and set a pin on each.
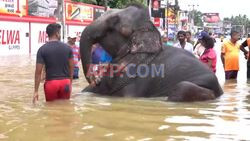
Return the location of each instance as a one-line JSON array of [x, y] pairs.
[[92, 118]]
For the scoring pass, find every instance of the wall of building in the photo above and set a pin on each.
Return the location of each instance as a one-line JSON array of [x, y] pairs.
[[23, 34]]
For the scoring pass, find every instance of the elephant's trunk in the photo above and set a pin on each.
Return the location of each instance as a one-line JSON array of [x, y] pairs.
[[86, 43]]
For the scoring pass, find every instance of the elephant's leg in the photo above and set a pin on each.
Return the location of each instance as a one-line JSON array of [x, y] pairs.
[[186, 91]]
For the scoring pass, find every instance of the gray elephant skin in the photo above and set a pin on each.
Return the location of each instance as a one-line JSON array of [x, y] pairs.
[[130, 37]]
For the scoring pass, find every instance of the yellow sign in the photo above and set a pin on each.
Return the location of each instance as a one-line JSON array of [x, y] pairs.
[[170, 16], [13, 7], [79, 12]]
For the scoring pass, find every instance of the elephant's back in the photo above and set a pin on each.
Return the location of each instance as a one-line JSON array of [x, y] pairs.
[[180, 65], [181, 61]]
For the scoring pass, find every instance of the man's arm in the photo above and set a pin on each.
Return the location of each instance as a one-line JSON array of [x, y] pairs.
[[242, 48], [71, 68], [223, 52], [223, 59], [38, 73]]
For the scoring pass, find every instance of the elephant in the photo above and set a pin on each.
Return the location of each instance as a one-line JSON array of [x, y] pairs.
[[134, 42]]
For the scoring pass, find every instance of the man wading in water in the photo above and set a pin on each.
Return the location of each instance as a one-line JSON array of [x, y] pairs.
[[57, 58]]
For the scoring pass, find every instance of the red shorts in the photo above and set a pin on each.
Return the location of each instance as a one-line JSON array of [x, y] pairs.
[[57, 89]]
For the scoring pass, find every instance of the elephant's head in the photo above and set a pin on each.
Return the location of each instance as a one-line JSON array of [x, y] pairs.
[[121, 31]]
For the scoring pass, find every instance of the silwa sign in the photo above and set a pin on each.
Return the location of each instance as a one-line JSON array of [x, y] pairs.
[[10, 37], [13, 39]]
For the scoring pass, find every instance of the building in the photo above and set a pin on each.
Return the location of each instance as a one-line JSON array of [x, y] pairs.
[[23, 22]]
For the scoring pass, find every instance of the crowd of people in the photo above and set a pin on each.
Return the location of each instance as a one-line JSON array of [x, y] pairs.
[[60, 61], [203, 50]]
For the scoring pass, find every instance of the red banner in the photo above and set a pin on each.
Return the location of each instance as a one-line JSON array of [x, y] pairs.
[[157, 22], [211, 17]]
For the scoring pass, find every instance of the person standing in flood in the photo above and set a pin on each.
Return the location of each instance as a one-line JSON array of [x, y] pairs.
[[230, 56], [181, 35], [189, 37], [57, 58], [76, 54], [209, 55], [246, 43], [199, 47]]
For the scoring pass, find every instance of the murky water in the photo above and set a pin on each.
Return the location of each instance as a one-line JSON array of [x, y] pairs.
[[90, 118]]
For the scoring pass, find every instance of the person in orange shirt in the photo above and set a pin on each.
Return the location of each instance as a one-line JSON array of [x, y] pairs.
[[246, 43], [230, 56]]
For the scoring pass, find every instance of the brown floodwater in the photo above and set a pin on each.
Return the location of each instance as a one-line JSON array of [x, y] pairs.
[[92, 118]]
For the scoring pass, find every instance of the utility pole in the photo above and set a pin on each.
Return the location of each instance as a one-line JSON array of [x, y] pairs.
[[167, 19], [61, 17], [192, 16]]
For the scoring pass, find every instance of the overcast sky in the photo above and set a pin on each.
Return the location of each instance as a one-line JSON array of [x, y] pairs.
[[226, 8]]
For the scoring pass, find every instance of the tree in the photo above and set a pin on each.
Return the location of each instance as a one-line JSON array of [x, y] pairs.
[[86, 1], [239, 21], [122, 3], [197, 18]]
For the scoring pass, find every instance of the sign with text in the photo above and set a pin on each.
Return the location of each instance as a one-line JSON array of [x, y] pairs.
[[13, 39], [171, 17], [157, 22], [211, 17], [13, 7], [79, 12], [38, 36]]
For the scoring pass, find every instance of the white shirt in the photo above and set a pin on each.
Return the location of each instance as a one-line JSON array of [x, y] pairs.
[[188, 47]]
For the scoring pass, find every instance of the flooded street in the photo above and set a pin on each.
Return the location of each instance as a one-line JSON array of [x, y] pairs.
[[90, 118]]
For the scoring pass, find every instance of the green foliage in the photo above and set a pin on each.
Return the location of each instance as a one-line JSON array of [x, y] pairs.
[[122, 3], [241, 20], [86, 1], [112, 3], [197, 18]]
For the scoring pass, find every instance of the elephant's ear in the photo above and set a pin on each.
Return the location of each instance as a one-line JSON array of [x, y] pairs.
[[146, 39]]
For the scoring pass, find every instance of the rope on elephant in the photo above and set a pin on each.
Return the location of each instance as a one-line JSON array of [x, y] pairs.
[[127, 80]]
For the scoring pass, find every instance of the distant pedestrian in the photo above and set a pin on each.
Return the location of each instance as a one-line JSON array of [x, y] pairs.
[[189, 37], [76, 54], [246, 43], [209, 55], [181, 35], [212, 36], [199, 48], [58, 61], [166, 42], [230, 56]]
